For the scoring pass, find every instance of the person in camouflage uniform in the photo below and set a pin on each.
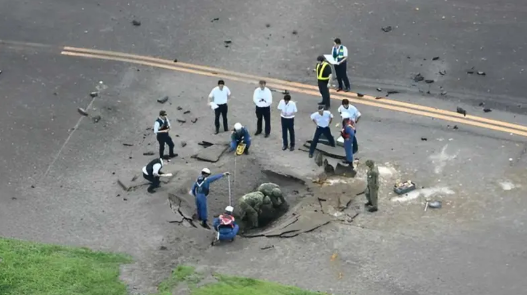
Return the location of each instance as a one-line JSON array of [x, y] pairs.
[[250, 205], [274, 193], [372, 187]]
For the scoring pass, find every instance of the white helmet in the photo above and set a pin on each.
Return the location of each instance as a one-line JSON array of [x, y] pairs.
[[238, 126], [229, 209], [205, 170]]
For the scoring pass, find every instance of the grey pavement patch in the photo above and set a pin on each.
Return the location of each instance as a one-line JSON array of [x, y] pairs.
[[211, 154]]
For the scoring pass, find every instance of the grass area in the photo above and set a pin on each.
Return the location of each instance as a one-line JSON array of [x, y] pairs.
[[28, 268], [226, 285]]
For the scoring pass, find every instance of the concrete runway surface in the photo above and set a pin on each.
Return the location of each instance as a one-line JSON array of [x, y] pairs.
[[59, 169]]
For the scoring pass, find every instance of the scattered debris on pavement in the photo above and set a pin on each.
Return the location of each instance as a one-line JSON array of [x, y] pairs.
[[455, 127], [386, 29], [162, 248], [175, 60], [435, 204], [442, 73], [435, 58], [379, 97], [215, 19], [295, 32], [379, 89], [179, 108], [194, 120], [181, 121], [471, 71], [443, 93], [424, 138], [267, 25], [487, 110], [481, 73], [128, 144], [227, 42], [183, 144], [391, 92], [429, 81], [148, 153], [481, 104], [418, 77], [360, 95], [96, 119], [82, 111], [267, 247], [461, 111], [136, 23], [94, 94], [162, 99], [186, 112]]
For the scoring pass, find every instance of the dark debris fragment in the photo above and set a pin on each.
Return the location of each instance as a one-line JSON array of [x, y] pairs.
[[461, 111], [136, 23], [487, 110], [386, 29], [418, 77]]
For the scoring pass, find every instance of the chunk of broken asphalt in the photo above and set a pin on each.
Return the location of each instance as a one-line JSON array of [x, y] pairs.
[[267, 25], [391, 92], [435, 58], [360, 95], [470, 72], [481, 104], [136, 23], [94, 94], [378, 97], [295, 32], [487, 110], [162, 99], [162, 248], [429, 81], [186, 112], [443, 93], [96, 119], [386, 29], [215, 19], [183, 144], [194, 120], [461, 111], [148, 154], [267, 247], [175, 60], [181, 121], [418, 77], [424, 138], [82, 111], [179, 108], [128, 144], [379, 89], [442, 73], [455, 127], [481, 73], [227, 41]]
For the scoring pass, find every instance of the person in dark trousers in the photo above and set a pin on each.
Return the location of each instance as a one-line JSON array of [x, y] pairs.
[[322, 120], [152, 172], [218, 100], [287, 113], [161, 129], [323, 70], [263, 98], [340, 54]]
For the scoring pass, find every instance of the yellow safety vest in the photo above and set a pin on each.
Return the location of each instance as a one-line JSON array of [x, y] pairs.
[[319, 73]]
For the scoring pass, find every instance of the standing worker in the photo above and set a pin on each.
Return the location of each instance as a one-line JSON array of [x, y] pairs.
[[372, 188], [152, 172], [226, 226], [218, 99], [348, 134], [200, 190], [347, 110], [287, 113], [263, 98], [240, 134], [161, 129], [340, 54], [322, 120], [323, 71]]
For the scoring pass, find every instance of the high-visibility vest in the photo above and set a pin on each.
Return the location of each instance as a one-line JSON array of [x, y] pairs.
[[320, 71], [338, 54]]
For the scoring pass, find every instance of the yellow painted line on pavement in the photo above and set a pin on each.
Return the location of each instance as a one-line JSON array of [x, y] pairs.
[[300, 85], [374, 103]]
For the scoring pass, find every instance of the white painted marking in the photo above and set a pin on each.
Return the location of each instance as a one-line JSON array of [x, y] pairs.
[[425, 193], [440, 159]]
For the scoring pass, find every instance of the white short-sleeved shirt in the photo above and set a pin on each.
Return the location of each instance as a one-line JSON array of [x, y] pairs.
[[350, 112], [287, 110], [344, 50], [220, 96], [156, 168], [322, 120]]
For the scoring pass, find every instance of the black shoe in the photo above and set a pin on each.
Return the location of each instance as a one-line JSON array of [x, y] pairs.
[[151, 190], [173, 156], [292, 148], [258, 133], [368, 204], [205, 225], [267, 135], [225, 129], [246, 151], [216, 132], [373, 209], [284, 148], [311, 155], [339, 90]]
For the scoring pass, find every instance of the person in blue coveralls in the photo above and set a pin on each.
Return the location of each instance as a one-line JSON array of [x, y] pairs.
[[240, 134], [226, 226], [348, 133], [200, 190]]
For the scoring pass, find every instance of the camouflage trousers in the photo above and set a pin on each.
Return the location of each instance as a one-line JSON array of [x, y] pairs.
[[371, 196], [251, 214]]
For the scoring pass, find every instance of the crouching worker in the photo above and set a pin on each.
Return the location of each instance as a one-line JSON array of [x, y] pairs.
[[240, 135], [250, 205], [200, 190], [226, 226]]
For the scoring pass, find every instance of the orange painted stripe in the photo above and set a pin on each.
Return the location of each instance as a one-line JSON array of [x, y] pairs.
[[288, 84], [298, 90]]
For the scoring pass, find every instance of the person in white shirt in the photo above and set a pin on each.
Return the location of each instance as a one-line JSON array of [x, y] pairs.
[[219, 97], [322, 120], [152, 172], [287, 113], [263, 98], [340, 54], [347, 110]]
